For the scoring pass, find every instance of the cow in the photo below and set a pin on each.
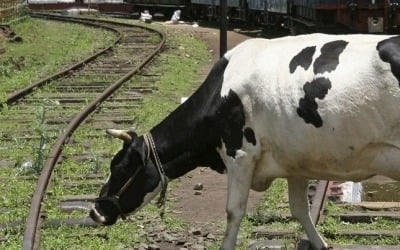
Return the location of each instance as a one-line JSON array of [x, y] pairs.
[[303, 107]]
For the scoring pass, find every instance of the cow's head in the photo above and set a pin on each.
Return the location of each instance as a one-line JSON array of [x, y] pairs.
[[132, 183]]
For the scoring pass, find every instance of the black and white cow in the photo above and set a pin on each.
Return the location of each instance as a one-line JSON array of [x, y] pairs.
[[307, 107]]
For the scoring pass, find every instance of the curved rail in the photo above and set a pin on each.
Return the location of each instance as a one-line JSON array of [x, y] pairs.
[[29, 89], [33, 219]]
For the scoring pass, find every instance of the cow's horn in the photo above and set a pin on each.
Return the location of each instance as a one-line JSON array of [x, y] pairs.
[[120, 134]]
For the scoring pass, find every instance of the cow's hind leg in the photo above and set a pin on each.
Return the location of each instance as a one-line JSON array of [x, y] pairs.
[[239, 181], [299, 207]]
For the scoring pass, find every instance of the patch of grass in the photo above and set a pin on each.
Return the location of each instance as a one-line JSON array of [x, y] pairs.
[[274, 197], [154, 39], [332, 226], [180, 68], [268, 214], [47, 47]]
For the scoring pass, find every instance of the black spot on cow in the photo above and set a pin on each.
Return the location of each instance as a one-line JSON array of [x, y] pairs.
[[231, 122], [308, 107], [329, 58], [303, 59], [250, 136], [191, 134], [389, 51]]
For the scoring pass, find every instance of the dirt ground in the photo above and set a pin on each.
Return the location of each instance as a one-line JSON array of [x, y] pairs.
[[206, 210]]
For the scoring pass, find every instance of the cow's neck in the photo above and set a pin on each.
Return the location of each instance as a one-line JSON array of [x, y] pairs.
[[187, 138]]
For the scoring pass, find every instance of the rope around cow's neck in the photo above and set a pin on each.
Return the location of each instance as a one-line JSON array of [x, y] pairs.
[[164, 182]]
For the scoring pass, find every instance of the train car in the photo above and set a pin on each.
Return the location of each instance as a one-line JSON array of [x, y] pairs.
[[161, 8], [50, 4], [209, 9], [305, 16], [365, 16], [267, 12], [109, 6], [301, 16]]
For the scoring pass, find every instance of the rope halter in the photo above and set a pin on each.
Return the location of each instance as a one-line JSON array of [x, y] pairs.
[[151, 151]]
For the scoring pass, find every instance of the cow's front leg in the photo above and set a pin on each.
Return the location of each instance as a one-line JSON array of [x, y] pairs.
[[239, 181], [299, 207]]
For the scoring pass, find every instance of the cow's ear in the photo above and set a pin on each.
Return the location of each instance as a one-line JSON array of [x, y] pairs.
[[125, 135]]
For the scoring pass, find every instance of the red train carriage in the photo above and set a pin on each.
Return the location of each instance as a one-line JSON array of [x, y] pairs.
[[366, 16]]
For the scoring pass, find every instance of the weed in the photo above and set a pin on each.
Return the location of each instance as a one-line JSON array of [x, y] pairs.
[[39, 151], [95, 166]]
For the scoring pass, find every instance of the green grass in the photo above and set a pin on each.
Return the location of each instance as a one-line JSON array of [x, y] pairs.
[[273, 205], [47, 47], [267, 216], [180, 68], [332, 226]]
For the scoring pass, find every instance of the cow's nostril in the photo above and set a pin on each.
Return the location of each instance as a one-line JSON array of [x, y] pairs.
[[101, 218], [97, 216]]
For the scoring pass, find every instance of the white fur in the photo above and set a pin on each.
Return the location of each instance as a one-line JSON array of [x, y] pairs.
[[360, 133]]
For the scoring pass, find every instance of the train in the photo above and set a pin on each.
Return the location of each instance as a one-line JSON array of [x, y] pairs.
[[306, 16], [298, 16]]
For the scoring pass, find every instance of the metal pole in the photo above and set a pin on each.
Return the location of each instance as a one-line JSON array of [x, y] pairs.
[[223, 28]]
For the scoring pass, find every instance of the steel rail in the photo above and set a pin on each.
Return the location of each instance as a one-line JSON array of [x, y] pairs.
[[29, 89], [32, 223]]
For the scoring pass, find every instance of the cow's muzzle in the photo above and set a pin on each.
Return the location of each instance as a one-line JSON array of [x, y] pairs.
[[101, 218]]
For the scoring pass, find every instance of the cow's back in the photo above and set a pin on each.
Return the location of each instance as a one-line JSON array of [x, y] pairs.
[[316, 98]]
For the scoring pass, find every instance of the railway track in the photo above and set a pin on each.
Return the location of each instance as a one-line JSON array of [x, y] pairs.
[[353, 222], [87, 95]]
